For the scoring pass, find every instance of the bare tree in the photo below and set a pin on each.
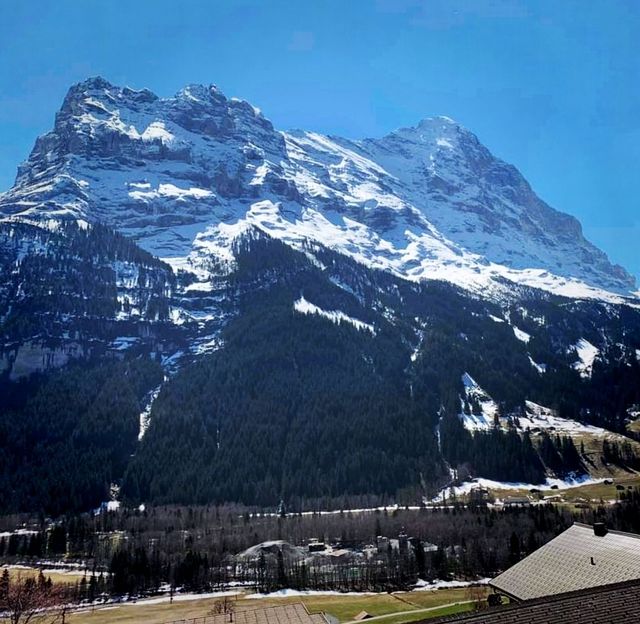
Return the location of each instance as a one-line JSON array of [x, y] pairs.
[[478, 595], [33, 601], [224, 606]]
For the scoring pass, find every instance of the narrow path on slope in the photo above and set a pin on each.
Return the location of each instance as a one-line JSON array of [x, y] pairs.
[[412, 611]]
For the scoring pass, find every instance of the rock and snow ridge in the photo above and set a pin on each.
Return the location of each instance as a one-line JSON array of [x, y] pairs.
[[184, 176]]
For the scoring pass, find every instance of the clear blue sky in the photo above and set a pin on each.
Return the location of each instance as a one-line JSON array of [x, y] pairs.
[[552, 86]]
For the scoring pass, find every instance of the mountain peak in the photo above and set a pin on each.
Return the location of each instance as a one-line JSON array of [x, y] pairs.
[[98, 89], [439, 131], [437, 120], [93, 82], [426, 202], [200, 93]]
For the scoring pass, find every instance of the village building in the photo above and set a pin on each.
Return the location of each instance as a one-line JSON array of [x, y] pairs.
[[281, 614], [587, 574], [581, 557], [516, 501], [611, 604]]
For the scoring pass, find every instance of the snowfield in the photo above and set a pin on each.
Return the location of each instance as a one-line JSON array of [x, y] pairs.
[[543, 418], [521, 335], [485, 419], [535, 417]]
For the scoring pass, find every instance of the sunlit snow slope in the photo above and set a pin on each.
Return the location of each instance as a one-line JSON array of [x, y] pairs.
[[184, 176]]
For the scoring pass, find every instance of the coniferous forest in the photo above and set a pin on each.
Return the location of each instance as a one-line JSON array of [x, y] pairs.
[[301, 408]]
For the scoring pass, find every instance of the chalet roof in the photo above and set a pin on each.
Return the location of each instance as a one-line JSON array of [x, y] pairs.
[[612, 604], [281, 614], [574, 560]]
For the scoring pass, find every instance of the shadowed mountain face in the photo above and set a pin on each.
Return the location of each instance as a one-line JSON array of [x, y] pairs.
[[198, 307], [185, 175]]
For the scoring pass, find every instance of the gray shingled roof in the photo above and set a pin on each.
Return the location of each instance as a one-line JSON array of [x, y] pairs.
[[576, 559], [613, 604]]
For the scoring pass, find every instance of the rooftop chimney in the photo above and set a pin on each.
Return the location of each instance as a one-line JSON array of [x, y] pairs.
[[599, 529]]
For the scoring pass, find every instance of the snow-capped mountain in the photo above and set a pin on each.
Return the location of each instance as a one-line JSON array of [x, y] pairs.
[[221, 311], [185, 176]]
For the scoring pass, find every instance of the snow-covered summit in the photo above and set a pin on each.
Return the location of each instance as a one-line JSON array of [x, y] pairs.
[[182, 174]]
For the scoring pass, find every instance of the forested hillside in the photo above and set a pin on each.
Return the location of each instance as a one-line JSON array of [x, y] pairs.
[[328, 379], [68, 437], [299, 406]]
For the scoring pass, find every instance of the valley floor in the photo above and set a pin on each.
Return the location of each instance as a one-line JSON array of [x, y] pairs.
[[395, 608]]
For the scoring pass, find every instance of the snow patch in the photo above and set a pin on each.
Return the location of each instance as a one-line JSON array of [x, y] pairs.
[[437, 584], [586, 353], [444, 143], [521, 335], [484, 420], [550, 483], [145, 415], [157, 131], [541, 368], [169, 190], [538, 416], [336, 316]]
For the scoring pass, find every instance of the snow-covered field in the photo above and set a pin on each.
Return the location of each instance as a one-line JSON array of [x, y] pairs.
[[535, 417]]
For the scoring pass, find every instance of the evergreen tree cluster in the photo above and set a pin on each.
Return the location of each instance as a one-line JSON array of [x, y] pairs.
[[72, 272], [70, 436]]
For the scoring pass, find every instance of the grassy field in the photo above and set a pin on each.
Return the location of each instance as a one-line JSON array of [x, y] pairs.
[[400, 608], [582, 493], [423, 615], [56, 577]]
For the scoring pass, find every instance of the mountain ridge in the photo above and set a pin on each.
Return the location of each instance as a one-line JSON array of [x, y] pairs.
[[285, 315], [177, 174]]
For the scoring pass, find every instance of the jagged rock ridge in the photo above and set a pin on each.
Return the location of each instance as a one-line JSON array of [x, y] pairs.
[[184, 176]]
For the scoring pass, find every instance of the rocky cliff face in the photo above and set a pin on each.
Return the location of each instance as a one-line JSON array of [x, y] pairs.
[[122, 227], [183, 176]]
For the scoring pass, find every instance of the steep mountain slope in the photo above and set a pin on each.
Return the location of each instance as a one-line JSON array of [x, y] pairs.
[[336, 379], [270, 315], [184, 175]]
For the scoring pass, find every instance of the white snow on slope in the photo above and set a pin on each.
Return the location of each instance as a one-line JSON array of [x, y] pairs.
[[414, 203], [549, 483], [145, 415], [336, 316], [157, 131], [586, 353], [168, 190], [485, 419], [538, 416], [541, 368], [521, 335]]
